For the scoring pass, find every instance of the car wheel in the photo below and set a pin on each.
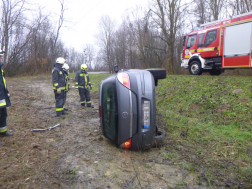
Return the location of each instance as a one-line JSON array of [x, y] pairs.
[[195, 68], [159, 139]]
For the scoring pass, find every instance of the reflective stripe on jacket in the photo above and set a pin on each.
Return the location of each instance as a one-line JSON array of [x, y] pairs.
[[81, 79], [58, 79], [4, 99], [66, 81]]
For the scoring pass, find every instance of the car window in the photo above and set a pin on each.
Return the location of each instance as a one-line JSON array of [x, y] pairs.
[[109, 111], [191, 41], [201, 36], [210, 37]]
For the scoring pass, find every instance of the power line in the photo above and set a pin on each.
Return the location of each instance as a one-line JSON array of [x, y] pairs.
[[83, 16], [88, 12]]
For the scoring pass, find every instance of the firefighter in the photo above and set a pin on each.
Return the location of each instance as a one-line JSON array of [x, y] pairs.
[[82, 84], [4, 101], [65, 68], [59, 86]]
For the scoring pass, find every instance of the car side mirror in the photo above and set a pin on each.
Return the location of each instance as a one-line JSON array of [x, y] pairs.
[[116, 68]]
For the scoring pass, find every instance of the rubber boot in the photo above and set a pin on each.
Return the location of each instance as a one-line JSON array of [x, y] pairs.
[[5, 134], [64, 113], [82, 105], [89, 105], [59, 113]]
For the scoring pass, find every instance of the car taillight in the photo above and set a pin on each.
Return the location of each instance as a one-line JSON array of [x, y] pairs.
[[146, 114], [124, 79], [100, 111], [127, 144]]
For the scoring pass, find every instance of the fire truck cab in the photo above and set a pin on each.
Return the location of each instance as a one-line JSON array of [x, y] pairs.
[[219, 45]]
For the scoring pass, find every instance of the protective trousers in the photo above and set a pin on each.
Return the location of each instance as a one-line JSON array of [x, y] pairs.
[[3, 117], [85, 95], [65, 96], [59, 102]]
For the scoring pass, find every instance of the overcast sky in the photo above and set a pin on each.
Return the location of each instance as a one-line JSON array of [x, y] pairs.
[[83, 17]]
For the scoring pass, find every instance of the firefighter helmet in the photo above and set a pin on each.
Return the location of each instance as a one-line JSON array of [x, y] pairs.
[[61, 60], [84, 66], [65, 67]]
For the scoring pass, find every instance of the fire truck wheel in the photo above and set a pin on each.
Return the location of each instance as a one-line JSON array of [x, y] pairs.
[[195, 68], [159, 139], [215, 72]]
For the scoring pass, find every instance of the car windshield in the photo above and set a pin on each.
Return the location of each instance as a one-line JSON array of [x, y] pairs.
[[109, 111]]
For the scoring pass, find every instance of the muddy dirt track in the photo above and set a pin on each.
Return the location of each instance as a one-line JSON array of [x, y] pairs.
[[75, 154]]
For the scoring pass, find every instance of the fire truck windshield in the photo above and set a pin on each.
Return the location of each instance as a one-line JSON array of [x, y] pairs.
[[191, 41], [210, 37], [201, 36]]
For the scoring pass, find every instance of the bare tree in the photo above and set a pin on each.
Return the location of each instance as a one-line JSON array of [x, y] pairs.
[[71, 59], [201, 12], [38, 46], [11, 12], [55, 36], [120, 46], [88, 54], [105, 40], [215, 7], [169, 15], [240, 6]]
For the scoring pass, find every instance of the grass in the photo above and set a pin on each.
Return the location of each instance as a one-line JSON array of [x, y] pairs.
[[215, 112], [169, 155], [109, 159], [245, 172], [190, 168], [70, 173], [114, 175]]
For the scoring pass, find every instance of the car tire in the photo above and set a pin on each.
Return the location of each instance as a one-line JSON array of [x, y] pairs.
[[159, 139], [195, 68]]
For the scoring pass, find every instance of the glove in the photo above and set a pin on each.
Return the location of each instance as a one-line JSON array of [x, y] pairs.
[[8, 95], [58, 91], [90, 86]]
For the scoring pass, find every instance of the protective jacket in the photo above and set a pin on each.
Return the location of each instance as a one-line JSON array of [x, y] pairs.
[[67, 81], [4, 98], [81, 84], [82, 79], [58, 78], [59, 86]]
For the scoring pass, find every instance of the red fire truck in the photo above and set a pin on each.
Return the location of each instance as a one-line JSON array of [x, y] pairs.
[[219, 45]]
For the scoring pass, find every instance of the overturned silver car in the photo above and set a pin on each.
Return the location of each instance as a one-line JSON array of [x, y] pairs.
[[127, 108]]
